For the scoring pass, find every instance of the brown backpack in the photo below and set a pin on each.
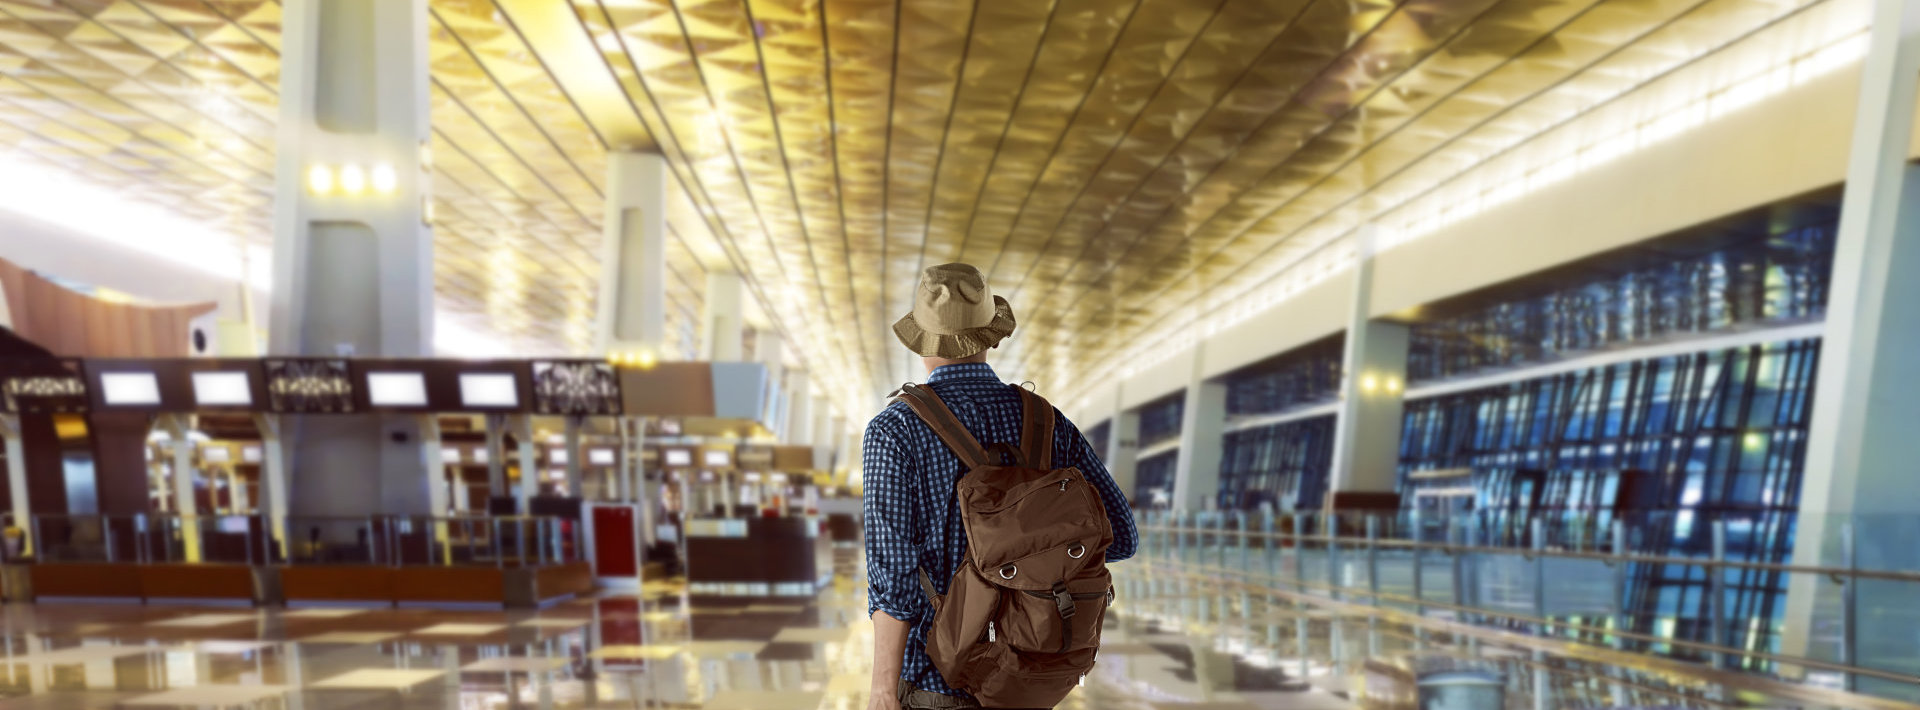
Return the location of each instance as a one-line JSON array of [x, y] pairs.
[[1020, 623]]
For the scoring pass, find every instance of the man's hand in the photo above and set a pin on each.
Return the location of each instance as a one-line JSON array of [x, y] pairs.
[[889, 651], [883, 701]]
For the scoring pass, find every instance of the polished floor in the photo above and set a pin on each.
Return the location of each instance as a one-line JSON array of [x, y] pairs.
[[656, 648]]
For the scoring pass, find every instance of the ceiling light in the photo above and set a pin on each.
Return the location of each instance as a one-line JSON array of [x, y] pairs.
[[384, 179], [352, 179], [320, 179]]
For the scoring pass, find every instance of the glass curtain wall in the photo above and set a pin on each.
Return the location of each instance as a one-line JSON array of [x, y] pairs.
[[1669, 446], [1097, 438], [1160, 420], [1770, 279], [1153, 481], [1284, 464]]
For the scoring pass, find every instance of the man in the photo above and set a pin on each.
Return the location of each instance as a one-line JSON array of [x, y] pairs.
[[912, 516]]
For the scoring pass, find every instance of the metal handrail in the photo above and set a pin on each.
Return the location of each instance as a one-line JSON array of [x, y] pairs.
[[1173, 546], [1629, 557], [1201, 570], [158, 537]]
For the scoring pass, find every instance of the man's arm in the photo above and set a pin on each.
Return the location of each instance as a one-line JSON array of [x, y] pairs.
[[894, 600], [1080, 454], [889, 648]]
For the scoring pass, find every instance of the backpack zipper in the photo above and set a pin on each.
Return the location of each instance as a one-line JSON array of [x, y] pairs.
[[990, 635], [1083, 596], [1063, 485]]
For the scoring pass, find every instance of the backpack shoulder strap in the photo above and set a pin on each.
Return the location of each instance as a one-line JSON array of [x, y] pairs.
[[1036, 429], [934, 412]]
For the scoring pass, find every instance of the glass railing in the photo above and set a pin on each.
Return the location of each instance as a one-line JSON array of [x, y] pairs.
[[1661, 584], [390, 540]]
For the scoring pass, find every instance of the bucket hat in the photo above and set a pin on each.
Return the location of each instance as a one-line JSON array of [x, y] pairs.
[[955, 314]]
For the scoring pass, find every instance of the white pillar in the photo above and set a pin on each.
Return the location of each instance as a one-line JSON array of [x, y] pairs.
[[353, 248], [1203, 421], [273, 477], [1366, 445], [799, 425], [1860, 445], [724, 313], [1123, 444], [17, 480], [237, 492], [434, 462], [184, 504], [633, 256], [529, 465], [576, 482]]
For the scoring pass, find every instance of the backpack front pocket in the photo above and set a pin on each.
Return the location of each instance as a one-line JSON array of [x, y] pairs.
[[1066, 618]]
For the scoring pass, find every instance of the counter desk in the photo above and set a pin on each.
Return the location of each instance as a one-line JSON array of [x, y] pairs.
[[758, 557]]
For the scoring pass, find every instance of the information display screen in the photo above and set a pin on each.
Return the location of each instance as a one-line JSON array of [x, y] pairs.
[[489, 390], [222, 389], [678, 457], [129, 388], [397, 389]]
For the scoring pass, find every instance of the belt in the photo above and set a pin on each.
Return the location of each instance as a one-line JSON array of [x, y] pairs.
[[912, 698]]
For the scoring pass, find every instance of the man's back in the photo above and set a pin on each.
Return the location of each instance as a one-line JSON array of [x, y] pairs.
[[912, 517]]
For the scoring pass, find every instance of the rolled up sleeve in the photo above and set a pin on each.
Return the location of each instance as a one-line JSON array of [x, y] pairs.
[[1126, 538], [893, 547]]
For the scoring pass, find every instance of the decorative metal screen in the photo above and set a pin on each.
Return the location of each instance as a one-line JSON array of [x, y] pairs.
[[1285, 464]]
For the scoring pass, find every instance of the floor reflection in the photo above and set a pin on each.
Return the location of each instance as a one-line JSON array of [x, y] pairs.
[[1171, 644]]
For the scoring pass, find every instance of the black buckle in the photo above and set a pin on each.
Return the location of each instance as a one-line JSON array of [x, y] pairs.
[[1062, 601]]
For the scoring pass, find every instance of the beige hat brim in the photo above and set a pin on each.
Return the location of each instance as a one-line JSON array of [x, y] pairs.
[[954, 346]]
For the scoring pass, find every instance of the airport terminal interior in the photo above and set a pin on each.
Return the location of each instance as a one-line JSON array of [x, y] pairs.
[[475, 354]]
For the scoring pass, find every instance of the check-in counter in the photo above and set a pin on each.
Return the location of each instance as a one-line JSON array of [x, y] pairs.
[[756, 557]]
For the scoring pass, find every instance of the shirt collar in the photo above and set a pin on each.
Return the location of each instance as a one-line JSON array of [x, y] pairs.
[[963, 371]]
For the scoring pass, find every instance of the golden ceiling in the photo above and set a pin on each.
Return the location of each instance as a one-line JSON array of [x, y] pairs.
[[1113, 164]]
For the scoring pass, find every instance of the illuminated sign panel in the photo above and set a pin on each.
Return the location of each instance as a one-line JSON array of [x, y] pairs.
[[222, 389], [397, 389], [129, 388], [489, 390]]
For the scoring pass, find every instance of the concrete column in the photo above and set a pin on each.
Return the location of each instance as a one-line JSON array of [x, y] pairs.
[[1860, 445], [1203, 421], [184, 505], [17, 479], [353, 247], [1366, 445], [723, 317], [1123, 445], [633, 256]]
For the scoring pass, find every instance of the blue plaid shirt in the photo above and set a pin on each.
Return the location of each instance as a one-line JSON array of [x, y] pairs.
[[913, 518]]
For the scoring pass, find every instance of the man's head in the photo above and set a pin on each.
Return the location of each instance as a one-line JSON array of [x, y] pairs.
[[956, 318]]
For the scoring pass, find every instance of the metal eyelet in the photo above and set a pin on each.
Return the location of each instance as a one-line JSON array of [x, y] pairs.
[[1077, 555], [1009, 571]]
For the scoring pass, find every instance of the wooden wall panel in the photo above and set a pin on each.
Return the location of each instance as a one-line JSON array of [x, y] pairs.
[[120, 460], [73, 324]]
